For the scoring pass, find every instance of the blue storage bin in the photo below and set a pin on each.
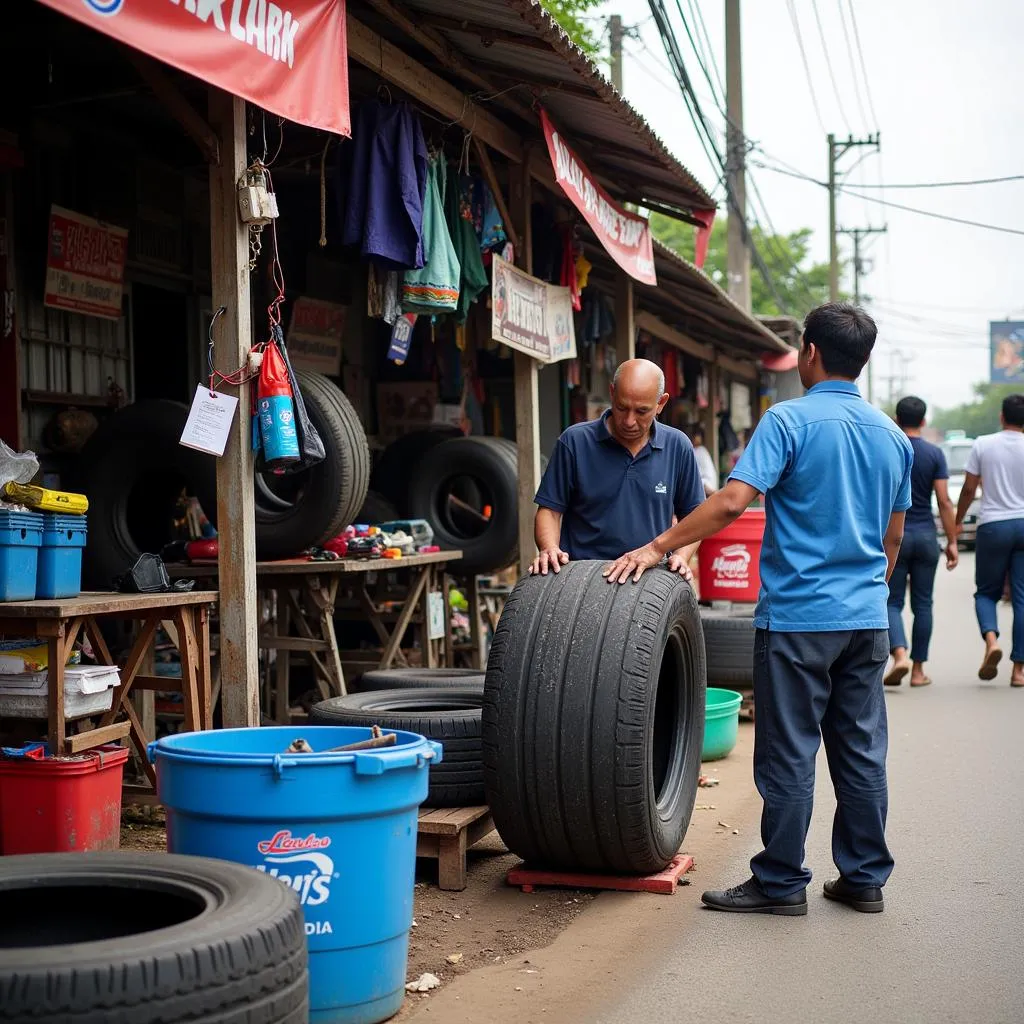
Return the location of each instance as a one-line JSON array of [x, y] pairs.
[[60, 556], [21, 534]]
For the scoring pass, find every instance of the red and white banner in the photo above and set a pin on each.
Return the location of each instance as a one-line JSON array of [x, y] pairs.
[[84, 264], [289, 57], [626, 236]]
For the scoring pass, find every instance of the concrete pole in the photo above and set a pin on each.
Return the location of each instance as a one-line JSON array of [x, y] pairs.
[[738, 248], [615, 34]]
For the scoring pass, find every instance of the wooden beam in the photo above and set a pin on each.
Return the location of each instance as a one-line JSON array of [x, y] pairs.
[[741, 368], [371, 50], [625, 318], [495, 186], [97, 737], [177, 106], [236, 516], [487, 35], [657, 327], [711, 417]]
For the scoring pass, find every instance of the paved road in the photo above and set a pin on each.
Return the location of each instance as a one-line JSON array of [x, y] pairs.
[[949, 946]]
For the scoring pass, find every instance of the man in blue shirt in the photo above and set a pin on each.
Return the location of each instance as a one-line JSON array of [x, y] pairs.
[[836, 475], [919, 553], [615, 482]]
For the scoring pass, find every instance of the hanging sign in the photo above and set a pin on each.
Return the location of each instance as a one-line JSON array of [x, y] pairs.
[[84, 264], [314, 336], [531, 315], [626, 236], [288, 57]]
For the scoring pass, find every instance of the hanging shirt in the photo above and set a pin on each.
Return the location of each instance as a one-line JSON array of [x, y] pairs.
[[434, 288], [459, 214], [384, 184]]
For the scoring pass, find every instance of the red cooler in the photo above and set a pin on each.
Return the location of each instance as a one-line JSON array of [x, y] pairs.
[[729, 561]]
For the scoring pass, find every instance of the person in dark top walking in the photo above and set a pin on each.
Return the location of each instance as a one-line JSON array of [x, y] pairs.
[[919, 554]]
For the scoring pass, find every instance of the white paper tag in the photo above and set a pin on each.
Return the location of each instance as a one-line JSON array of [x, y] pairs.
[[435, 616], [209, 421]]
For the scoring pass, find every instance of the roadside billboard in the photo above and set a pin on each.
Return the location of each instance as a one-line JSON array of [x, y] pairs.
[[1007, 351]]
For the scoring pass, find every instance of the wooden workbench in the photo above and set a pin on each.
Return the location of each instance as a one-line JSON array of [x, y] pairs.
[[306, 595], [61, 622]]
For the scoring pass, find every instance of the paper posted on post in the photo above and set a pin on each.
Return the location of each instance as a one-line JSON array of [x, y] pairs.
[[209, 421]]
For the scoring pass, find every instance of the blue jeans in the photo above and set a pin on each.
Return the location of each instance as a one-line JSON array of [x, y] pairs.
[[917, 562], [808, 687], [1000, 550]]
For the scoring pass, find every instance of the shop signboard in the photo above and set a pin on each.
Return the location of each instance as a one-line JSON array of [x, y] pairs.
[[84, 264], [315, 335], [626, 236], [531, 315], [287, 56], [1007, 349]]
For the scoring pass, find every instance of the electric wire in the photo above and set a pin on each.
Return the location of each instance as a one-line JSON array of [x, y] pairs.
[[853, 65], [828, 65], [863, 66], [807, 68]]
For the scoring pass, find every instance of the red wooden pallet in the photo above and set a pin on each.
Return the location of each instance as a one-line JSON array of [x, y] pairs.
[[664, 883]]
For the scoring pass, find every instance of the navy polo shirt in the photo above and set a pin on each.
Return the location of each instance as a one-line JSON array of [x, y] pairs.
[[612, 502], [833, 470]]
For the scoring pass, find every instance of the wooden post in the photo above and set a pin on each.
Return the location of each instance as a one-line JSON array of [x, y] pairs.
[[710, 414], [526, 398], [625, 318], [236, 520]]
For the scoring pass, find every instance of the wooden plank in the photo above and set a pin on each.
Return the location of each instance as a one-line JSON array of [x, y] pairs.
[[451, 862], [625, 322], [275, 642], [657, 327], [126, 605], [188, 648], [267, 571], [711, 414], [156, 684], [130, 670], [96, 737], [366, 47], [55, 695], [373, 617], [232, 340], [411, 600], [323, 600], [140, 741], [202, 615], [447, 821]]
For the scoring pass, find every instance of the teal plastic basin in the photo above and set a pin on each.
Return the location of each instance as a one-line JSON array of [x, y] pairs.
[[721, 723]]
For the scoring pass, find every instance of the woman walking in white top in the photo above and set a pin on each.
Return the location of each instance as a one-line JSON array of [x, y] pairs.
[[997, 463]]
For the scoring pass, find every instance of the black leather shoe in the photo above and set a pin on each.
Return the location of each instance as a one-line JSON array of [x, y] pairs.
[[867, 900], [749, 898]]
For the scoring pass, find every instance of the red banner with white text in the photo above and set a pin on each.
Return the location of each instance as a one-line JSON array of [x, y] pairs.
[[626, 236], [289, 57]]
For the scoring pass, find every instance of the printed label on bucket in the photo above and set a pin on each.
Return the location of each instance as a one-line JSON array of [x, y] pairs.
[[301, 863], [731, 567]]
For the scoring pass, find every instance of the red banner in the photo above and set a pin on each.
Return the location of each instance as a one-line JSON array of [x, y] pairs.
[[289, 57], [707, 219], [626, 236]]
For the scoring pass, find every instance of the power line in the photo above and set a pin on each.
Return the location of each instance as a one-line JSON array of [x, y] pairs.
[[949, 184], [702, 27], [828, 65], [853, 66], [803, 57], [932, 213], [863, 66]]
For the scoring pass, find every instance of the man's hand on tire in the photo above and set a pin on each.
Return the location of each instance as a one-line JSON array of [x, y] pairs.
[[550, 558], [681, 564], [633, 563]]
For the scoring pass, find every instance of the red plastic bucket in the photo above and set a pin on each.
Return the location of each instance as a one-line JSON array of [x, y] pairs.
[[62, 805], [729, 561]]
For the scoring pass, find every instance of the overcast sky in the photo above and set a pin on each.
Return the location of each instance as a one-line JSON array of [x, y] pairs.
[[947, 83]]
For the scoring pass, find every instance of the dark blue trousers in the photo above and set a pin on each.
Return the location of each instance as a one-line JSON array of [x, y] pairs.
[[808, 687], [1000, 551], [916, 564]]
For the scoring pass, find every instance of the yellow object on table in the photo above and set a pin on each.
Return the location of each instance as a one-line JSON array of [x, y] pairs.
[[45, 500]]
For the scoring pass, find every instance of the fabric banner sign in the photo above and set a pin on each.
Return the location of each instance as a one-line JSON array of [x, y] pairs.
[[626, 236], [84, 265], [707, 220], [314, 336], [288, 56], [531, 315]]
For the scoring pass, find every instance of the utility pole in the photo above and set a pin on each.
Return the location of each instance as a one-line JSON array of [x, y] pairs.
[[858, 270], [836, 150], [616, 33], [735, 163]]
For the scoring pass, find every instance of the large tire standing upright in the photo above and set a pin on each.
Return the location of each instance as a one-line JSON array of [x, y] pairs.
[[593, 719]]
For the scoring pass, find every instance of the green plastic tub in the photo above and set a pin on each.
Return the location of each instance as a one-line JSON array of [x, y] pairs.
[[721, 723]]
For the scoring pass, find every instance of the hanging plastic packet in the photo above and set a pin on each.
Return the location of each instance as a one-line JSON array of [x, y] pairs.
[[276, 411], [311, 446]]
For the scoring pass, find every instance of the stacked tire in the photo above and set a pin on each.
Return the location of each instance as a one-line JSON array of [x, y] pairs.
[[729, 645]]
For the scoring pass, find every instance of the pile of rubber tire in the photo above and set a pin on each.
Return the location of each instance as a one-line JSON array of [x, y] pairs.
[[442, 704], [133, 471], [729, 643], [119, 938], [593, 719]]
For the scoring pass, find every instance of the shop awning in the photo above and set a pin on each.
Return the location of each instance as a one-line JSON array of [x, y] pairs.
[[288, 57]]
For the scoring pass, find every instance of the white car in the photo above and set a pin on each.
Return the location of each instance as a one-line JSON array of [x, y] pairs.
[[956, 452]]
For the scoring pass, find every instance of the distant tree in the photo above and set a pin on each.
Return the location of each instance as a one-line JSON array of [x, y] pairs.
[[980, 416], [801, 285], [570, 14]]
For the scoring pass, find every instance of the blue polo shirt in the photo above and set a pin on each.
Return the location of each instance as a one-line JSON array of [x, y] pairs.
[[833, 469], [612, 502]]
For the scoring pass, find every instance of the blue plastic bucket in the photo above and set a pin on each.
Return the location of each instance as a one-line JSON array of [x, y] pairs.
[[339, 828]]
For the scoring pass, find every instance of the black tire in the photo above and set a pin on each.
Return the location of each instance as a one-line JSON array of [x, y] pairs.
[[376, 509], [729, 645], [479, 471], [295, 511], [419, 678], [119, 938], [394, 468], [594, 719], [449, 715], [133, 470]]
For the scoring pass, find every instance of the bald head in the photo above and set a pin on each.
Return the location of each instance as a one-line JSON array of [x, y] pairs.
[[639, 375]]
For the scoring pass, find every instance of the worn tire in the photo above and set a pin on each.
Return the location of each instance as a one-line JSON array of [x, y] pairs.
[[394, 468], [594, 719], [729, 645], [462, 466], [187, 939], [449, 715], [300, 510], [376, 509], [132, 470], [419, 678]]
